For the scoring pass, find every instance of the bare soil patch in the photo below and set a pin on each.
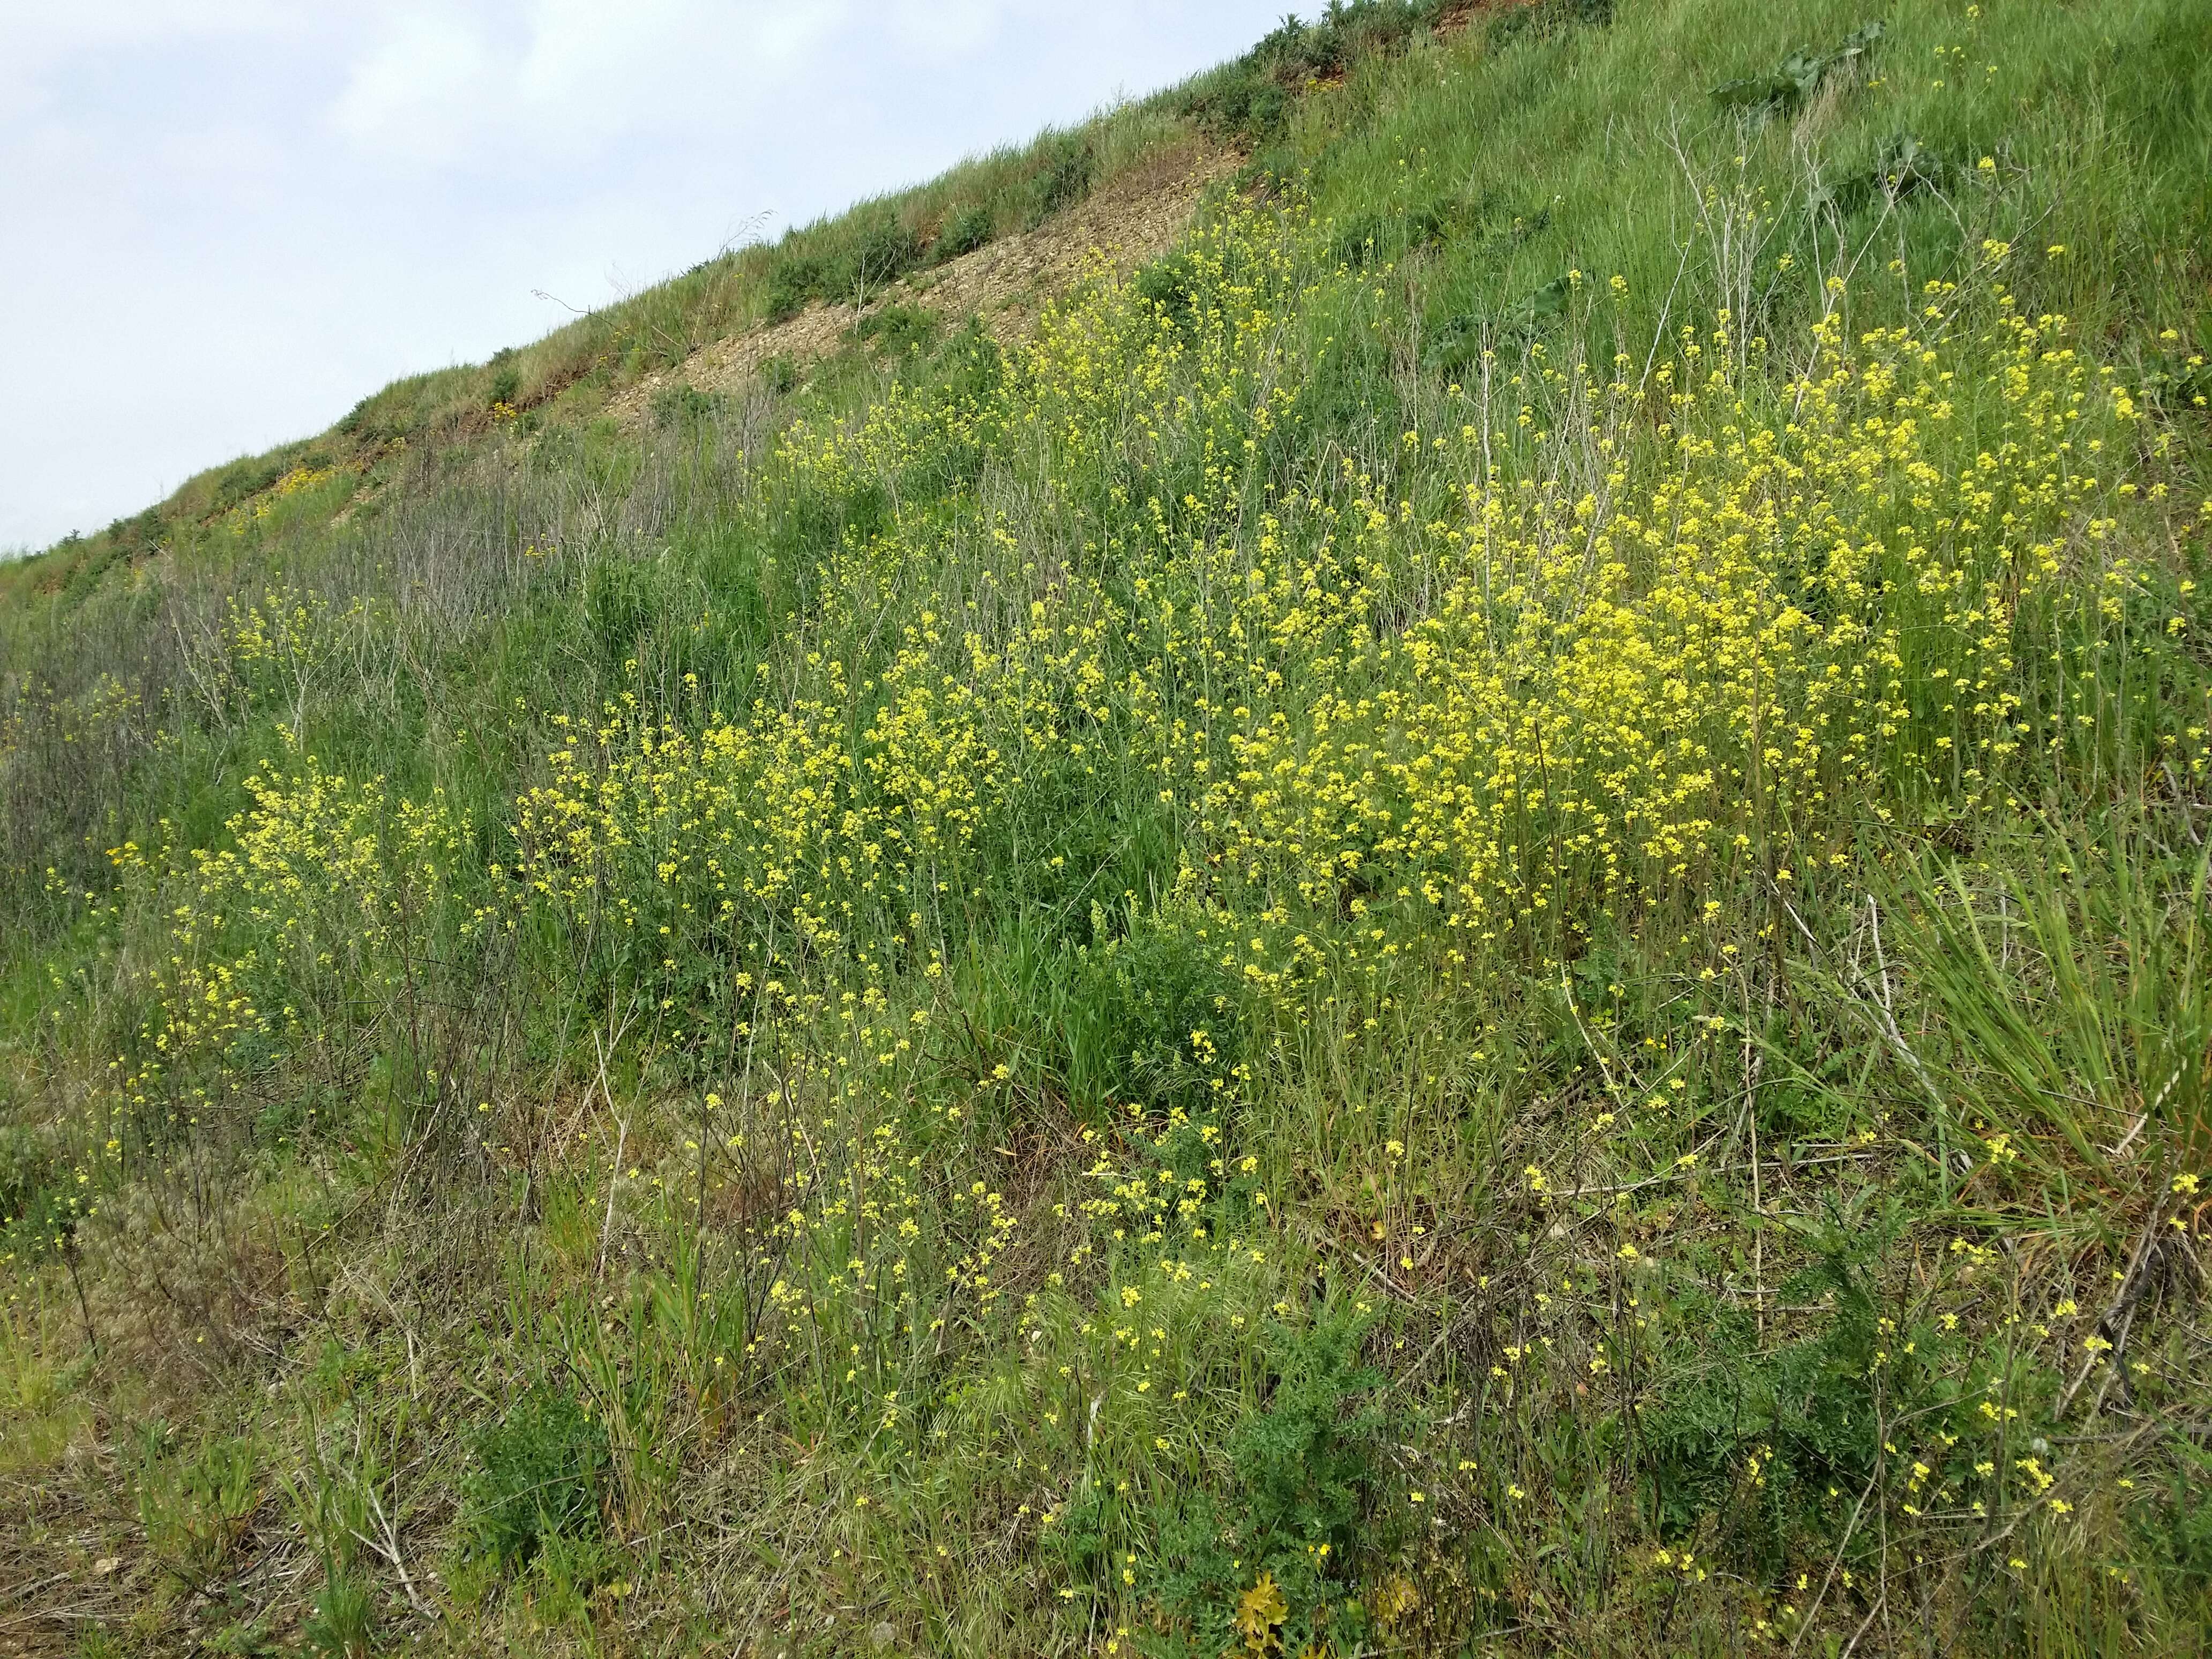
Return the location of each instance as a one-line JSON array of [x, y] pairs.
[[1135, 218]]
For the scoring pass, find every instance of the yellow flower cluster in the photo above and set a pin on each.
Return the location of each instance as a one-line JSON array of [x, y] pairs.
[[803, 824], [784, 830], [1567, 693], [297, 481], [327, 893]]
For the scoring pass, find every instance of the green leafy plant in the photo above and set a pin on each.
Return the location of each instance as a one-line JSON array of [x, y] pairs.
[[1251, 99], [966, 230], [845, 270], [196, 1504], [506, 380], [1271, 1566], [681, 405], [537, 1478], [1798, 77], [343, 1623], [793, 281], [899, 331], [884, 252], [1070, 164], [1167, 1024], [38, 1211], [780, 374]]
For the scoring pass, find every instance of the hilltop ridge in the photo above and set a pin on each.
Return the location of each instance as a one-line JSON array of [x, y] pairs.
[[1007, 230]]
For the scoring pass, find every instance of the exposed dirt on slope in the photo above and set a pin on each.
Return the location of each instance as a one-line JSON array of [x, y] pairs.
[[1135, 217], [1460, 18]]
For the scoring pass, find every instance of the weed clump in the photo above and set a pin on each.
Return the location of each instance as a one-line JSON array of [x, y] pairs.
[[1250, 100], [196, 1504], [1170, 1024], [38, 1212], [966, 230], [506, 380], [898, 331], [1798, 78], [1273, 1566], [342, 1624], [1063, 180], [536, 1480], [863, 260], [685, 406]]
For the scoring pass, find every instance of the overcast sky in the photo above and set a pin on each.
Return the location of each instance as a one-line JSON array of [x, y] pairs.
[[224, 221]]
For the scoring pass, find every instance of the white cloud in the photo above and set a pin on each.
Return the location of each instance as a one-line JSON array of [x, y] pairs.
[[233, 218], [35, 35], [234, 158], [562, 77], [650, 47], [943, 30], [38, 38], [421, 86]]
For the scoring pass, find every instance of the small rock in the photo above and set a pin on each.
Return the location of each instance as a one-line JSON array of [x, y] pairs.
[[883, 1635]]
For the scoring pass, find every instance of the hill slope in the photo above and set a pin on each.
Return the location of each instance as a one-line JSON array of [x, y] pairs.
[[1466, 914]]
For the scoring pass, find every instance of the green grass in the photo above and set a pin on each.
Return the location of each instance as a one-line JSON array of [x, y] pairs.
[[1401, 944]]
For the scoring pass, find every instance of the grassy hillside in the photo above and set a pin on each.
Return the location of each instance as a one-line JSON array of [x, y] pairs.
[[1473, 921]]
